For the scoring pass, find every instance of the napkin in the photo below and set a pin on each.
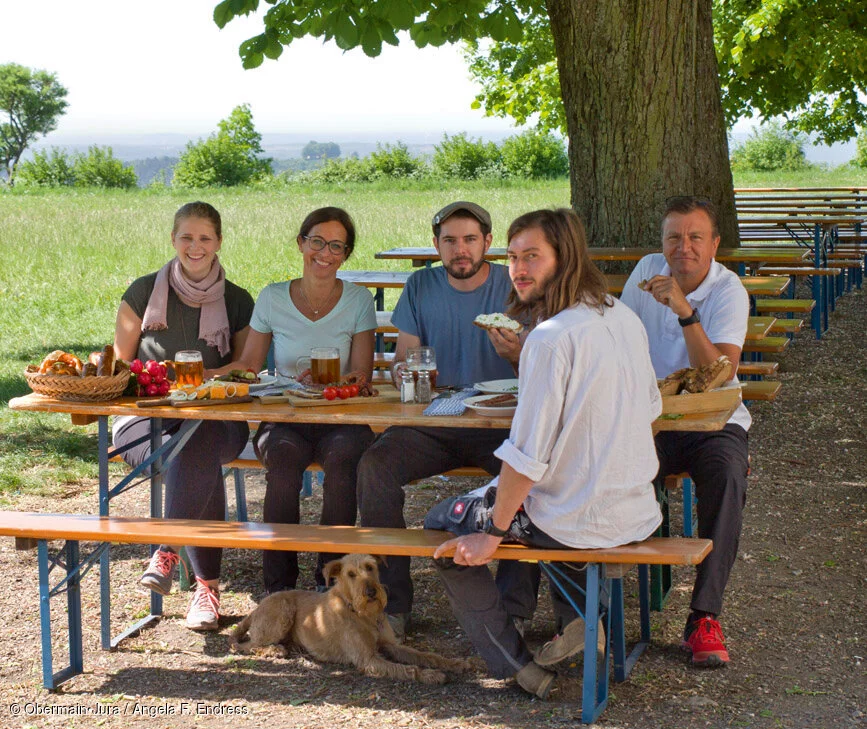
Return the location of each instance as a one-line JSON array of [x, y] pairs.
[[453, 405]]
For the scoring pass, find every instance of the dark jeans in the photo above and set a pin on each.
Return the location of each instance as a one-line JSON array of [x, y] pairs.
[[718, 463], [194, 479], [286, 450], [479, 602], [401, 455]]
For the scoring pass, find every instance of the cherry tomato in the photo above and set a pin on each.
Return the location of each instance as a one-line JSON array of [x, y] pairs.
[[144, 378], [329, 393], [353, 391], [152, 390], [344, 392], [136, 366]]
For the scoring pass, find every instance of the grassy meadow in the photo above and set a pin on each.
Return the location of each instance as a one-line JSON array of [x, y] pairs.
[[68, 255]]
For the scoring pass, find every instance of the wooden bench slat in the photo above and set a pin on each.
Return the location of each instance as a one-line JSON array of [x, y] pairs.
[[799, 306], [766, 390], [795, 271], [762, 369], [315, 538], [787, 326], [767, 345]]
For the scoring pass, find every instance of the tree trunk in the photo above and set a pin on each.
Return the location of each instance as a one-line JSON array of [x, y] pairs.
[[641, 92]]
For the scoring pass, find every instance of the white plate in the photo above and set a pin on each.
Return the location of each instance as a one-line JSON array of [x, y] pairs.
[[498, 387], [265, 380], [473, 403]]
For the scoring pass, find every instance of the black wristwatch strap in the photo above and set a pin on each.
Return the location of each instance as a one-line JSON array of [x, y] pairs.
[[493, 529], [693, 318]]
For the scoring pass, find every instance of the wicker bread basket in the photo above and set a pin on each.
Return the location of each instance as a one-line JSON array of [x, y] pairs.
[[66, 387]]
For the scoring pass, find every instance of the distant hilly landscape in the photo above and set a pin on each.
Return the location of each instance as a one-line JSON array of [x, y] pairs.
[[153, 155]]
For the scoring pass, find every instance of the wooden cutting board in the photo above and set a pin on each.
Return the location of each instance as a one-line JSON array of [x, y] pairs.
[[384, 396], [158, 402], [701, 402]]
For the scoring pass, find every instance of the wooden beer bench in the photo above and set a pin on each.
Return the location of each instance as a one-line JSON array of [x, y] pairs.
[[604, 569]]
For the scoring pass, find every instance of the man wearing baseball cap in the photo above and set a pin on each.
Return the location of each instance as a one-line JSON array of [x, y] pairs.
[[436, 309]]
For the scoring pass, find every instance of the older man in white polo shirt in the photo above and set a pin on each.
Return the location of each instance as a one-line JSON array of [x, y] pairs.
[[694, 310]]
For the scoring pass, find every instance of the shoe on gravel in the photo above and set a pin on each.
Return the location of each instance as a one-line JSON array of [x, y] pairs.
[[705, 640], [160, 572], [204, 610], [568, 644]]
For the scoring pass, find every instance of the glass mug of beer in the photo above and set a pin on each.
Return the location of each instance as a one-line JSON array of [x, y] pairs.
[[417, 359], [189, 369], [323, 363]]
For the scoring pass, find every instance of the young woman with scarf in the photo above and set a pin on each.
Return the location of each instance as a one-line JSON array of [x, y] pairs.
[[187, 305]]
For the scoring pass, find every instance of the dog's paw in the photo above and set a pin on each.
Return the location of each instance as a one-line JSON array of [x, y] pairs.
[[461, 666], [432, 676], [272, 651]]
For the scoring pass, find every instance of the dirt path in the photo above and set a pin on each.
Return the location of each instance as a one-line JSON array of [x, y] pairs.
[[794, 616]]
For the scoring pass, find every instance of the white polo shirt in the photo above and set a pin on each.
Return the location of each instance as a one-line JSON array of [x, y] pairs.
[[582, 429], [722, 301]]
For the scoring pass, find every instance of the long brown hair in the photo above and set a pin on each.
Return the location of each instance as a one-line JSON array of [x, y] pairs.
[[577, 279]]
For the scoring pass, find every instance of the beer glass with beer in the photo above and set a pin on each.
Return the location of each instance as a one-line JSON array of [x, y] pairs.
[[189, 369], [323, 363]]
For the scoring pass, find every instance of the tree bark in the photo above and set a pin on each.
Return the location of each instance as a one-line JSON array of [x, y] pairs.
[[641, 92]]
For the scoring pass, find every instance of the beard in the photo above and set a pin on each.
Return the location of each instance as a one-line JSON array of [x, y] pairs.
[[460, 273]]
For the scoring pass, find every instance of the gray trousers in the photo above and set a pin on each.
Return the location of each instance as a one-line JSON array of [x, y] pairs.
[[194, 478], [717, 463], [401, 455], [479, 603]]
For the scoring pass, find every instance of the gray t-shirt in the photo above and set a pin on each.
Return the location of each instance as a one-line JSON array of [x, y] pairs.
[[442, 317], [183, 322]]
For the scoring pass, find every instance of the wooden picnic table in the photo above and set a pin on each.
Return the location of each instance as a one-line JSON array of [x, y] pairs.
[[749, 190], [426, 255]]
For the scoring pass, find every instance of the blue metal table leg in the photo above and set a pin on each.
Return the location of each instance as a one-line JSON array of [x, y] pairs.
[[156, 498], [45, 616], [688, 505], [595, 690], [105, 557]]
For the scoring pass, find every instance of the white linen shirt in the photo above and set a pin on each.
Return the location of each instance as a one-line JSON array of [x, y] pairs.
[[582, 428], [722, 301]]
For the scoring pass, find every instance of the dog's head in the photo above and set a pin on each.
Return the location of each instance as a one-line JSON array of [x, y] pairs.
[[356, 579]]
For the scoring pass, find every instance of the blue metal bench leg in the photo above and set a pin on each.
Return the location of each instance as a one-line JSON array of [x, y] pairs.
[[688, 506], [595, 692], [240, 495], [72, 585]]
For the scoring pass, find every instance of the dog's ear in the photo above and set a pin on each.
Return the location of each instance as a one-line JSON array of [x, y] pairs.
[[381, 559], [331, 571]]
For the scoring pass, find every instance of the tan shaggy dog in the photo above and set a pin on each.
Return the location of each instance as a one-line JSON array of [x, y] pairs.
[[344, 625]]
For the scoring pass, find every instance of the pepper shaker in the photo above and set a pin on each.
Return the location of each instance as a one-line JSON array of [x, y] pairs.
[[423, 389]]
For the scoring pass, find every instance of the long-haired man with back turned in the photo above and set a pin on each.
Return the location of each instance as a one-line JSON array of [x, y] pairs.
[[578, 463]]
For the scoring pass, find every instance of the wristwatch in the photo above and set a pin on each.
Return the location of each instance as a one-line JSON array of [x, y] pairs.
[[493, 529], [693, 318]]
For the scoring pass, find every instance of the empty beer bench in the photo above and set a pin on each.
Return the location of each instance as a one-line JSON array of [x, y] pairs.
[[604, 569]]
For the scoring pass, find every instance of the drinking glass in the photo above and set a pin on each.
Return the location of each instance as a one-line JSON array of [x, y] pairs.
[[323, 363], [189, 368]]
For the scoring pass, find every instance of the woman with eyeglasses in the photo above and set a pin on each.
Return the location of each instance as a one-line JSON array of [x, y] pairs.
[[316, 310]]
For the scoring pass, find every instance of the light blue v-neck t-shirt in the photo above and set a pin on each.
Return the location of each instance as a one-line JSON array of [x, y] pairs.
[[294, 334]]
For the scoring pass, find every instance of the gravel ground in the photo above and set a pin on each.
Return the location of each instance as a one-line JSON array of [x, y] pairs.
[[794, 619]]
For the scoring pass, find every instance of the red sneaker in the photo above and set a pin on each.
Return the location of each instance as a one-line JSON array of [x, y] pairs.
[[707, 644]]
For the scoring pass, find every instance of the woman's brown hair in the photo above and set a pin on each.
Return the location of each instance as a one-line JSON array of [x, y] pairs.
[[202, 210], [577, 279]]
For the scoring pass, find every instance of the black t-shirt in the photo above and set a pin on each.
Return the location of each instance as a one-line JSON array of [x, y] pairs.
[[183, 322]]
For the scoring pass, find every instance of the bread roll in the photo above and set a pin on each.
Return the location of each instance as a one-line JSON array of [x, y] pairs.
[[105, 368]]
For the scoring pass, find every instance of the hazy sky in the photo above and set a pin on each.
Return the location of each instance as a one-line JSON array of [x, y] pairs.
[[164, 66]]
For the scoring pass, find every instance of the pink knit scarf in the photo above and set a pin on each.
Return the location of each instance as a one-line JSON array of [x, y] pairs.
[[209, 294]]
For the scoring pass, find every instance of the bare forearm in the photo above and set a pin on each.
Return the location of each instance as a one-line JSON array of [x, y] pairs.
[[512, 489]]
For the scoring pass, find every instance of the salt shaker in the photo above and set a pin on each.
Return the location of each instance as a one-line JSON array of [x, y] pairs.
[[407, 387], [423, 388]]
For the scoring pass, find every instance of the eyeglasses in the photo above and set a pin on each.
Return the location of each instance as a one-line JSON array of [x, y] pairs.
[[337, 247]]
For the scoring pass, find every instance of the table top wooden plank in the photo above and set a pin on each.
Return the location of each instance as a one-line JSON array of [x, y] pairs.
[[378, 416], [765, 285], [852, 189], [804, 220], [376, 279], [313, 538], [758, 327], [746, 212]]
